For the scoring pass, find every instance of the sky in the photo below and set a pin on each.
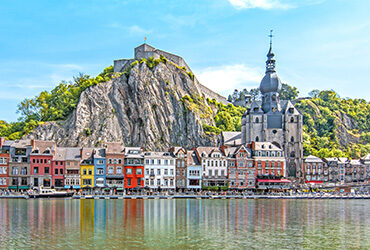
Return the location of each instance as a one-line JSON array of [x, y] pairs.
[[318, 44]]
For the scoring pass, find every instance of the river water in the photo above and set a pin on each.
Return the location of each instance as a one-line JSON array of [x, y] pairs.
[[188, 223]]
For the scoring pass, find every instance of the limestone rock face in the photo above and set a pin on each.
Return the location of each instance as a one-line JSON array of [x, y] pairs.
[[144, 109]]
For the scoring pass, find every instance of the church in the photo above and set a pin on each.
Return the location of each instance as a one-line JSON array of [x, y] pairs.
[[274, 120]]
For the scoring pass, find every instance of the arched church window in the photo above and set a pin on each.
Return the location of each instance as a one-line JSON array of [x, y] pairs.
[[273, 97], [274, 131], [292, 154], [292, 119], [292, 139], [257, 139], [257, 120], [291, 110]]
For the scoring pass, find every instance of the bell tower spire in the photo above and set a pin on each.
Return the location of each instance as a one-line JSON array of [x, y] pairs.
[[270, 63]]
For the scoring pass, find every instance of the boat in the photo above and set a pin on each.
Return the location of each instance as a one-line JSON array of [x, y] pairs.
[[49, 193]]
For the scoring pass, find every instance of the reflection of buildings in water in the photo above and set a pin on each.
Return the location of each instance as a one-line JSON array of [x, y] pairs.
[[159, 216], [87, 217], [133, 215]]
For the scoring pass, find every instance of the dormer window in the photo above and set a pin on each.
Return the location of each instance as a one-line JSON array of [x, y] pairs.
[[36, 151], [47, 151]]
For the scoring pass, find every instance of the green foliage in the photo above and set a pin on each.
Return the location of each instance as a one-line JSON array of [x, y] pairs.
[[228, 117], [211, 129], [288, 92], [87, 132], [191, 75], [51, 106], [321, 116]]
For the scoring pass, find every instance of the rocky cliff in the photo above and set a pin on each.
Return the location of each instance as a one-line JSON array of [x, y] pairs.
[[153, 107]]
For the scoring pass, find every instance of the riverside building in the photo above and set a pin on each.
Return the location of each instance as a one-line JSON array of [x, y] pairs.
[[19, 164], [4, 163], [134, 168], [214, 166], [159, 170], [72, 168], [115, 156], [193, 171], [41, 157]]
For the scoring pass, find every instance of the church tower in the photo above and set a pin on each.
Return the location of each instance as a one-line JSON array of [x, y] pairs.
[[274, 120]]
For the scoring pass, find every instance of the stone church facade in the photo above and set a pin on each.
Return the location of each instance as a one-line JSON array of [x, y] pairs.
[[274, 120]]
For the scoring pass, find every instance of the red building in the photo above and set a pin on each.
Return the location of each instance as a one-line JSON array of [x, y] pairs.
[[58, 167], [41, 163], [269, 162], [115, 156], [241, 171], [4, 164], [134, 168]]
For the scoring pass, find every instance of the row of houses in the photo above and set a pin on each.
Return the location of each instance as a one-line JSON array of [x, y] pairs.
[[336, 170], [27, 164]]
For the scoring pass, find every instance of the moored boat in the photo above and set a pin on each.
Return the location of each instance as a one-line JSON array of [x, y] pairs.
[[49, 193]]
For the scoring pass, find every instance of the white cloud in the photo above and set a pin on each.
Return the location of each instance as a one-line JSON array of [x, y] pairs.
[[224, 79], [261, 4]]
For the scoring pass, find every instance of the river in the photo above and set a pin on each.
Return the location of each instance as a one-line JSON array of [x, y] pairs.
[[187, 223]]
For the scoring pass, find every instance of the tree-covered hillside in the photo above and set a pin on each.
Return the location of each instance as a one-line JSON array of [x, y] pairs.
[[51, 106], [332, 126]]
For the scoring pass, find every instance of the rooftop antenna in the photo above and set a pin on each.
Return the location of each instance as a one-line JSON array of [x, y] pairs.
[[144, 39]]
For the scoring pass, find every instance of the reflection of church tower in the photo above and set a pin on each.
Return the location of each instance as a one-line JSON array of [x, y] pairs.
[[274, 120]]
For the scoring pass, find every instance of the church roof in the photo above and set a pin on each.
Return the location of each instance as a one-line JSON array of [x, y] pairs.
[[231, 138]]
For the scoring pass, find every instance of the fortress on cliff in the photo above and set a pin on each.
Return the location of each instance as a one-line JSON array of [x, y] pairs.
[[146, 51]]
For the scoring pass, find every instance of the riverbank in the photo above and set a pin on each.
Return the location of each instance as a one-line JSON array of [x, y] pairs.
[[291, 197]]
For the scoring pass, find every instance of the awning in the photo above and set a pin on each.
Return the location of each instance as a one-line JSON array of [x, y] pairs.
[[24, 187], [106, 189], [315, 182], [77, 187], [119, 189], [12, 187], [274, 181], [67, 186]]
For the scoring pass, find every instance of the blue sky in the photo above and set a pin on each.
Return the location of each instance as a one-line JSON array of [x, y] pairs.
[[318, 44]]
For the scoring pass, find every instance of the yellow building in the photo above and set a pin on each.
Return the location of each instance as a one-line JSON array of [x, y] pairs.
[[87, 168]]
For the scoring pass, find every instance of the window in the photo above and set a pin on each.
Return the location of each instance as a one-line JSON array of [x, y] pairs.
[[3, 160], [257, 139], [129, 171], [24, 181], [257, 120], [110, 161], [56, 171], [15, 170], [84, 172], [292, 139], [209, 172], [35, 170], [119, 170], [119, 161], [24, 171], [86, 182], [61, 171], [139, 171], [171, 171], [114, 161], [158, 182], [100, 162], [166, 172], [90, 172], [100, 171], [292, 154], [222, 172], [216, 172], [110, 170], [292, 119], [171, 182], [158, 172]]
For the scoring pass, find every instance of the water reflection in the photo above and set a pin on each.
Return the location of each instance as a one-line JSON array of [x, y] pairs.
[[184, 223]]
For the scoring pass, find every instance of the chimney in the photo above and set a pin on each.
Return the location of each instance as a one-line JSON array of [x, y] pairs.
[[2, 140], [32, 143]]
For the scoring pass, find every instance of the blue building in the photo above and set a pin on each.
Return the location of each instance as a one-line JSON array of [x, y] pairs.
[[194, 171], [100, 166]]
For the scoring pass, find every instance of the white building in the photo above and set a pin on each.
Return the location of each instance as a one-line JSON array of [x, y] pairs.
[[214, 166], [159, 170]]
